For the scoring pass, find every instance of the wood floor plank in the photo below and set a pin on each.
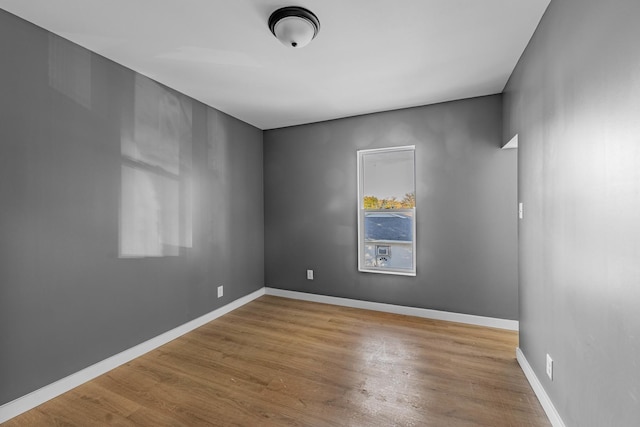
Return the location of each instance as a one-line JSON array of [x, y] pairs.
[[283, 362]]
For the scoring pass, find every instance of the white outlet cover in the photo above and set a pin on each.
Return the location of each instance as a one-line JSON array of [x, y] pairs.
[[310, 274], [220, 291], [550, 367]]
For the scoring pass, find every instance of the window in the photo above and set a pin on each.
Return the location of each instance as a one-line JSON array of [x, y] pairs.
[[386, 211]]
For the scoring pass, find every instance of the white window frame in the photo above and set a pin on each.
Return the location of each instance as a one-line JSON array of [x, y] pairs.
[[361, 215]]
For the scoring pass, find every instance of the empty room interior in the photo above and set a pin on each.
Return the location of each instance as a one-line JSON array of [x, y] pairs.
[[317, 213]]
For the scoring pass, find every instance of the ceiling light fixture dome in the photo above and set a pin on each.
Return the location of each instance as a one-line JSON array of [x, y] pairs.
[[294, 26]]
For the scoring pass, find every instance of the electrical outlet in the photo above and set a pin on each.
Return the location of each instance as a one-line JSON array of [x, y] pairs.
[[550, 367], [520, 210], [220, 291], [309, 274]]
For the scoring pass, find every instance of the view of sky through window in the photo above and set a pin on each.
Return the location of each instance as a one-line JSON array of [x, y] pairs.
[[388, 175]]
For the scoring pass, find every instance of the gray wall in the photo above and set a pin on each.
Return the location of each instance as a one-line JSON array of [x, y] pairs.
[[66, 298], [574, 100], [466, 208]]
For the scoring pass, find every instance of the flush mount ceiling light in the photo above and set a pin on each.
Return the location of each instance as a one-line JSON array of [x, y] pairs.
[[294, 26]]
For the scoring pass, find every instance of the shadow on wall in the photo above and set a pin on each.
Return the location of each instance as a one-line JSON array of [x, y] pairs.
[[156, 194]]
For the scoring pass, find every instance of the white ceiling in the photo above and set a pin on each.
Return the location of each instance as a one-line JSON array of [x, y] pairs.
[[370, 55]]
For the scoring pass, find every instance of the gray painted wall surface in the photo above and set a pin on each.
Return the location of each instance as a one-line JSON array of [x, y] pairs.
[[574, 100], [66, 299], [466, 208]]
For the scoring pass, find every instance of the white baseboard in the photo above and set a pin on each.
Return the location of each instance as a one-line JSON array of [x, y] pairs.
[[48, 392], [546, 403], [471, 319]]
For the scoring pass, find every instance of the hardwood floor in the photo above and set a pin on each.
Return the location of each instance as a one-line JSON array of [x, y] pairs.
[[283, 362]]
